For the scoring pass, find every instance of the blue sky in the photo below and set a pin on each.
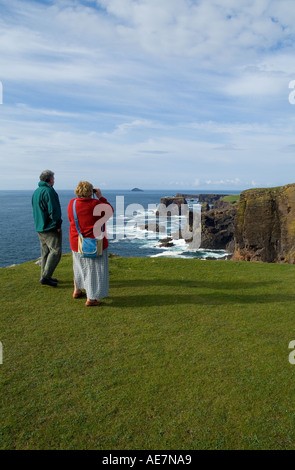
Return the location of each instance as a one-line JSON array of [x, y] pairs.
[[159, 94]]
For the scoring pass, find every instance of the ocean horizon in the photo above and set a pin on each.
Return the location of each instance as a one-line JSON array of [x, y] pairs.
[[19, 242]]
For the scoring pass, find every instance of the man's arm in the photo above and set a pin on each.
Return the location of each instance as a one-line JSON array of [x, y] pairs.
[[54, 210]]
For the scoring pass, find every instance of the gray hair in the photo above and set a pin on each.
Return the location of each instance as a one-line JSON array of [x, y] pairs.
[[46, 175]]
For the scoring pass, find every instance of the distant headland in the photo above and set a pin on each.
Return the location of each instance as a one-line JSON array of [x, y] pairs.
[[137, 190], [210, 198]]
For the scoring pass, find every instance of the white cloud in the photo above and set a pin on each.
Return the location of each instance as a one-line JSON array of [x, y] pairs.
[[66, 35], [200, 29], [128, 127], [158, 89], [72, 152], [257, 84]]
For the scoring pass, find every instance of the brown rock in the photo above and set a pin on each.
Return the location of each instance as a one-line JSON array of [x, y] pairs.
[[172, 206], [265, 225], [166, 242], [210, 198], [218, 229]]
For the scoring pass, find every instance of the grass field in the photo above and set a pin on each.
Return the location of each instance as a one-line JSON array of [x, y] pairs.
[[232, 198], [184, 354]]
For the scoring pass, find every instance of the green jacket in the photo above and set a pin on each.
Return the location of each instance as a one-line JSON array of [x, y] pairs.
[[46, 208]]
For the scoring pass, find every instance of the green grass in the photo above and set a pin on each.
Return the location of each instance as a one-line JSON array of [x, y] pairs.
[[184, 354], [233, 198]]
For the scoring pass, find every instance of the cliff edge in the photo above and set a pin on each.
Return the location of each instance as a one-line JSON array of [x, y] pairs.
[[265, 225]]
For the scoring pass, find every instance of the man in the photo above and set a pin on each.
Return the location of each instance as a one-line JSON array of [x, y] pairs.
[[47, 218]]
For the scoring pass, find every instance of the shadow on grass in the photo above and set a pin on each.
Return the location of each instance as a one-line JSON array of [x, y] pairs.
[[216, 285], [216, 298], [65, 284]]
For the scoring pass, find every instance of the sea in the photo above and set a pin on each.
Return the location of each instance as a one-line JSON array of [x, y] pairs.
[[127, 235]]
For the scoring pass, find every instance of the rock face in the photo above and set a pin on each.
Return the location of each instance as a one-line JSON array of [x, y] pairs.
[[212, 229], [178, 205], [222, 205], [218, 229], [209, 198], [265, 225], [166, 242]]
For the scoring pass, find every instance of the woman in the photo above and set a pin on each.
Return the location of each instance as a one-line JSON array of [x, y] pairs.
[[91, 274]]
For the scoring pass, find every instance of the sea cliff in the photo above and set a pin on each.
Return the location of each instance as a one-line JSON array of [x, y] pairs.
[[265, 225], [260, 226]]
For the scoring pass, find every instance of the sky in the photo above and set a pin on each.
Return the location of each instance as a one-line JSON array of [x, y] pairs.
[[156, 94]]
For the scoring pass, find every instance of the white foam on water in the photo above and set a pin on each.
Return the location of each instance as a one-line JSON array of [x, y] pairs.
[[128, 230], [172, 254]]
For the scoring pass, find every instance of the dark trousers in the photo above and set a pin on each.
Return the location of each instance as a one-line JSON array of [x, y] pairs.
[[51, 248]]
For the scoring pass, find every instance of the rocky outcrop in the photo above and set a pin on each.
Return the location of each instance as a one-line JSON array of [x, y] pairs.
[[166, 242], [209, 198], [221, 205], [218, 229], [212, 229], [176, 206], [265, 225], [261, 227], [205, 207]]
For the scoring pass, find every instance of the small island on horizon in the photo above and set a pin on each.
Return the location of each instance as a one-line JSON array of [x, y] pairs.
[[137, 189]]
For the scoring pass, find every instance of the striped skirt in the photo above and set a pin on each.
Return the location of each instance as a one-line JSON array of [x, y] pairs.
[[92, 274]]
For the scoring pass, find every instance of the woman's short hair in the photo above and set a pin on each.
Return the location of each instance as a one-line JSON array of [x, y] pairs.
[[84, 189], [46, 176]]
